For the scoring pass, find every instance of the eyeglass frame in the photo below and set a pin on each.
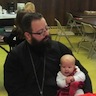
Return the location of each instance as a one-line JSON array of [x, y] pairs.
[[41, 31]]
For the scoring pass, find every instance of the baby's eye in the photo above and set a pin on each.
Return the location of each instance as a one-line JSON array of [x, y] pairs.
[[63, 66]]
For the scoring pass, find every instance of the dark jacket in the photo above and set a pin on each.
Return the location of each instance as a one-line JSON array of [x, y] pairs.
[[14, 38], [19, 78]]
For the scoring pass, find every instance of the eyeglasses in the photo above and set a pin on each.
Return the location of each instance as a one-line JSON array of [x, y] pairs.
[[42, 31]]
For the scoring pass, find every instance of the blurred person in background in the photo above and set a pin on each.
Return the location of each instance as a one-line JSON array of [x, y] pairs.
[[16, 36], [30, 7]]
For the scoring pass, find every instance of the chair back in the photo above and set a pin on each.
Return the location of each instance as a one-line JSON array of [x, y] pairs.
[[62, 32], [89, 31], [70, 18], [59, 26], [88, 38], [87, 28]]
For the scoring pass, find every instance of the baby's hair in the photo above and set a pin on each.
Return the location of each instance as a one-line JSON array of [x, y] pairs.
[[67, 57]]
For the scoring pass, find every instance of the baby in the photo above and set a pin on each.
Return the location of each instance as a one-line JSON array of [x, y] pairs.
[[70, 79]]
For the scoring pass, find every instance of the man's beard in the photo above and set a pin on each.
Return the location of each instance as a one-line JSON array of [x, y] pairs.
[[43, 44]]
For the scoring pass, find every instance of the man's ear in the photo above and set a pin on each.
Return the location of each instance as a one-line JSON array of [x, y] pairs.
[[27, 36]]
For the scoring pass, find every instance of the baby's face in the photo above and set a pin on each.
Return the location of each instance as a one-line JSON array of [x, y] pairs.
[[67, 68]]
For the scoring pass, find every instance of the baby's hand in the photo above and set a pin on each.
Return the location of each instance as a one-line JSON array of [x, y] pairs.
[[69, 79]]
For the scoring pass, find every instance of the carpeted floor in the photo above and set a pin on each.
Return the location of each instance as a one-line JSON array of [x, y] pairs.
[[89, 64], [2, 59]]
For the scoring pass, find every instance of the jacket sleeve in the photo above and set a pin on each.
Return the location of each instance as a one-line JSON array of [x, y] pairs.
[[9, 40], [13, 76], [61, 82], [79, 75]]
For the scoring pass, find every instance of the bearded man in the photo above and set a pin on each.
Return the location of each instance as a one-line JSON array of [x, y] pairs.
[[31, 67]]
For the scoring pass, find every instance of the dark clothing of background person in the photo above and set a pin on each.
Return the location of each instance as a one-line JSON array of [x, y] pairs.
[[22, 82], [14, 38], [16, 35]]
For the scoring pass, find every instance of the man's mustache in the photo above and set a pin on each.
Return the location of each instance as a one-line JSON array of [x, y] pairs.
[[46, 38]]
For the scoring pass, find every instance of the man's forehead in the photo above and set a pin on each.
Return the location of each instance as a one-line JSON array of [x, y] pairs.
[[41, 20], [38, 24]]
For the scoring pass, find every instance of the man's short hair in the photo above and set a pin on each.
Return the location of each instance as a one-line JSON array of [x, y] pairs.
[[27, 19]]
